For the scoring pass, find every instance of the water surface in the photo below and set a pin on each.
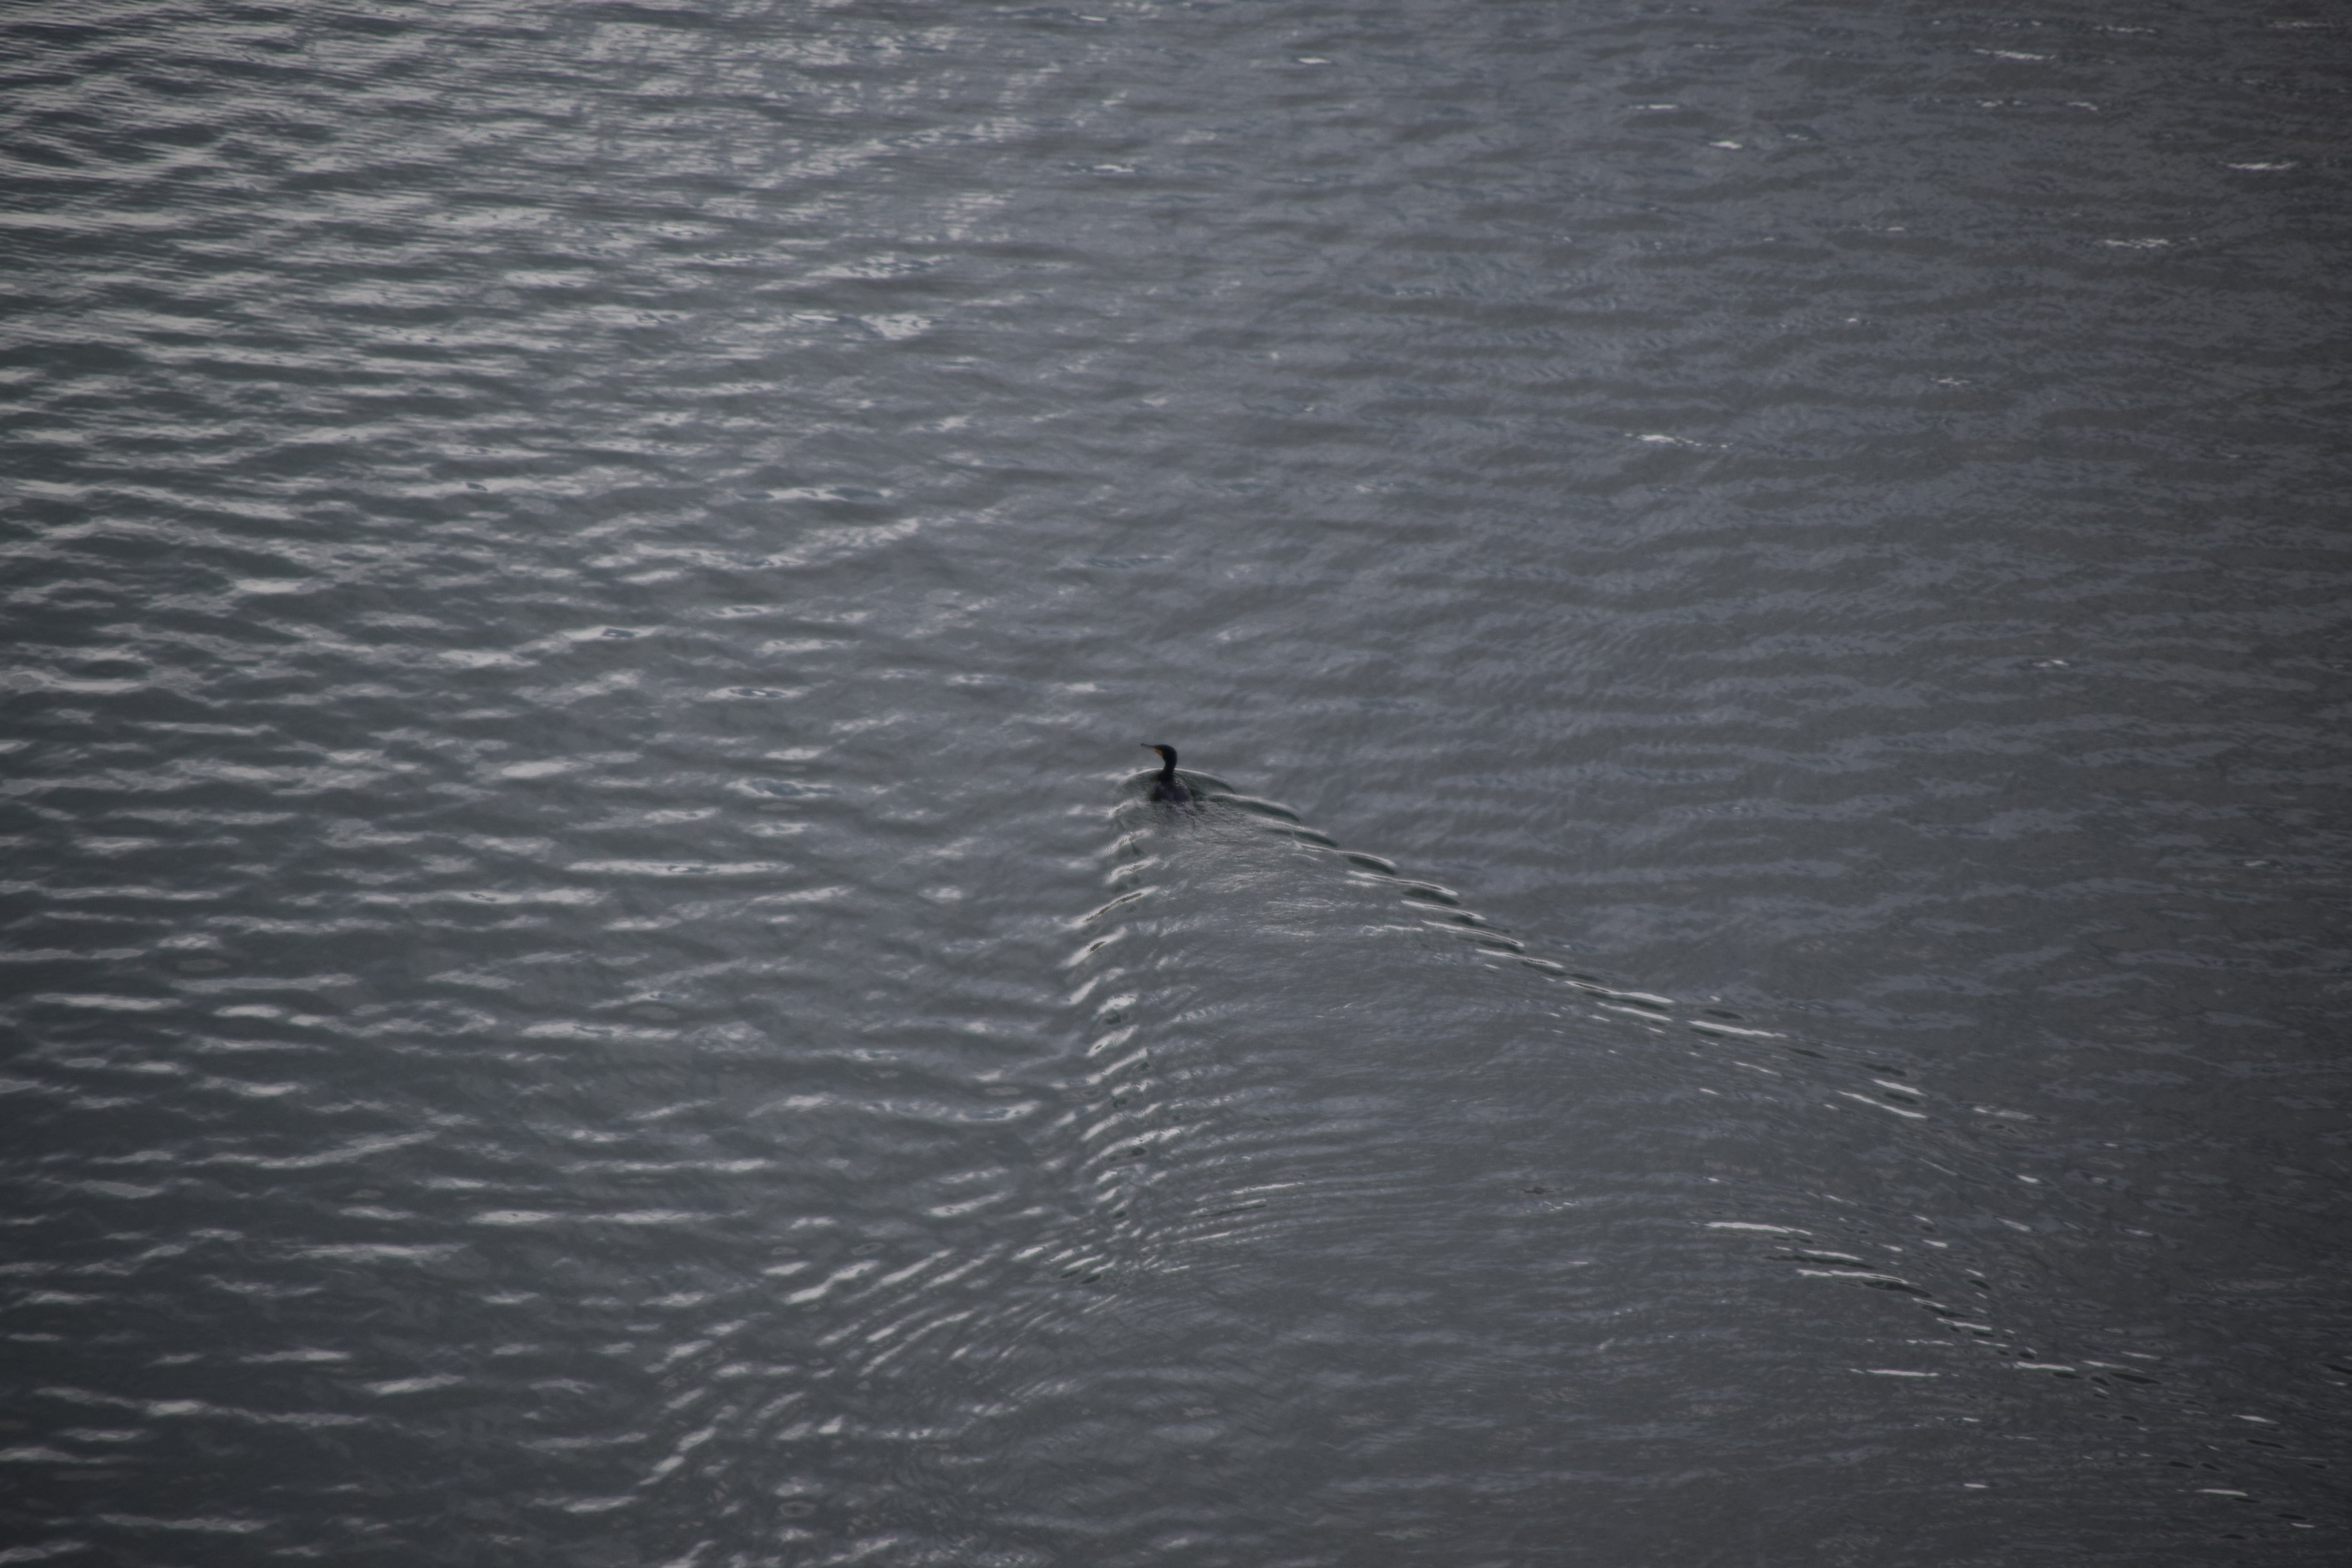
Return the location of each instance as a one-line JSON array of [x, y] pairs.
[[1759, 593]]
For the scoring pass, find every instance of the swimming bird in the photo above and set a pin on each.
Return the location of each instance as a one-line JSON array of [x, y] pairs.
[[1168, 786]]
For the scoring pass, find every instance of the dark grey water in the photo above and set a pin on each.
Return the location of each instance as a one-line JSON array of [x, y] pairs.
[[587, 982]]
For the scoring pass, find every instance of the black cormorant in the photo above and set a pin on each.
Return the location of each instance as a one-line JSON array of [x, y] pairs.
[[1168, 786]]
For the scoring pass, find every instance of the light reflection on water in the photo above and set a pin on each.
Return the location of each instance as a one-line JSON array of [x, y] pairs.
[[590, 988]]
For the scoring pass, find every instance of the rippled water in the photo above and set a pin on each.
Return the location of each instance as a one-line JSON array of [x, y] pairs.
[[1759, 594]]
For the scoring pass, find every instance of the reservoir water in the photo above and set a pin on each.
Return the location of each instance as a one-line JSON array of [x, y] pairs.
[[1756, 594]]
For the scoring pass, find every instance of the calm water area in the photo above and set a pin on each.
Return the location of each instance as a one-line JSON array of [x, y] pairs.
[[1757, 595]]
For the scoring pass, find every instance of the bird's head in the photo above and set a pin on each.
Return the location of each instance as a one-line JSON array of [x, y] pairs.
[[1167, 753]]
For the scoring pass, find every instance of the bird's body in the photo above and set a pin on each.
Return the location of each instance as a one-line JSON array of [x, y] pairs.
[[1166, 786]]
